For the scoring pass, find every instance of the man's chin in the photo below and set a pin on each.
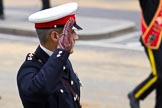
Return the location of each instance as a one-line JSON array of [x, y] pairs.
[[71, 51]]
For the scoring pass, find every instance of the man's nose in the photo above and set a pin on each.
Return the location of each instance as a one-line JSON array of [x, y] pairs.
[[76, 37]]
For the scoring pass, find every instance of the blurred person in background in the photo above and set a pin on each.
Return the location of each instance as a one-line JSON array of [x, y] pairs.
[[45, 4], [151, 26], [1, 10]]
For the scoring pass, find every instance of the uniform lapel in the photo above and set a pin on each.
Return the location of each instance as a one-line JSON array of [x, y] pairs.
[[41, 54]]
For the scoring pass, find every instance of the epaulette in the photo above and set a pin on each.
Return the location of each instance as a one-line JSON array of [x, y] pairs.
[[33, 57]]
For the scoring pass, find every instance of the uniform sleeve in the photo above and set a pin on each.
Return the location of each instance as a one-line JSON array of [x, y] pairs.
[[33, 78]]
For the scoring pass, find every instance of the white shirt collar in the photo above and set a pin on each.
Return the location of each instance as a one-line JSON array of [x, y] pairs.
[[46, 50]]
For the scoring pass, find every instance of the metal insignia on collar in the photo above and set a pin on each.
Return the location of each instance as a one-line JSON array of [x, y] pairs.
[[30, 56]]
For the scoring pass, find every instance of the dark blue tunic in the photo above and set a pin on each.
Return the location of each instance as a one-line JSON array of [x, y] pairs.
[[48, 82], [154, 80]]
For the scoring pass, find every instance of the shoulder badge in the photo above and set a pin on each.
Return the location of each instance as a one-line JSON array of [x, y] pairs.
[[29, 56], [33, 57]]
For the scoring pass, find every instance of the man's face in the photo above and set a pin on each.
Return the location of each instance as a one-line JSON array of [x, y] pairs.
[[74, 37]]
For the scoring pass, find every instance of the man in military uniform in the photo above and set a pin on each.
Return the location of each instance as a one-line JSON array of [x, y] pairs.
[[151, 40], [46, 79]]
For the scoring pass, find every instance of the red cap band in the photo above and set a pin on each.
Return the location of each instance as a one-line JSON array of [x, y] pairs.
[[61, 21]]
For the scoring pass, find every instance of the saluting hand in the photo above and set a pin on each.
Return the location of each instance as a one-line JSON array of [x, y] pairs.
[[66, 41]]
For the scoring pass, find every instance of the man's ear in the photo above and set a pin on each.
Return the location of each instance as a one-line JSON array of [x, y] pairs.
[[54, 36]]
